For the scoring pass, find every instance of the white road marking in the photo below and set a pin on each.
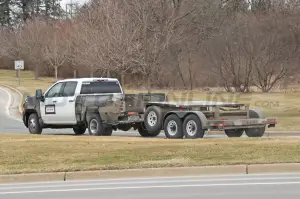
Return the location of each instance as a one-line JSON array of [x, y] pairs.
[[7, 107], [149, 187], [148, 182]]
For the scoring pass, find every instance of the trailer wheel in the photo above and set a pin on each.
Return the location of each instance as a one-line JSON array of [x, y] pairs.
[[153, 119], [255, 132], [192, 127], [79, 130], [234, 132], [173, 127], [144, 132], [95, 125]]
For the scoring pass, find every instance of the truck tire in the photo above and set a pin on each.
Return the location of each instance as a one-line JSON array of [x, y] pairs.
[[107, 131], [79, 130], [173, 127], [234, 132], [255, 132], [153, 119], [34, 126], [192, 127], [95, 125], [144, 132]]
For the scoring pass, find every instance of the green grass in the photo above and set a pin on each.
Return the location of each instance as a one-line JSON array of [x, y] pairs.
[[284, 106], [30, 153]]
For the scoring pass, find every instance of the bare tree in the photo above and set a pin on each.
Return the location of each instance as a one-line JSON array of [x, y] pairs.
[[30, 40], [57, 48]]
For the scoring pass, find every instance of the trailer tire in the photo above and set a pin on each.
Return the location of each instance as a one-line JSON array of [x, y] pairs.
[[192, 127], [255, 132], [153, 119], [173, 127], [95, 125], [79, 130], [34, 126], [234, 132], [144, 132]]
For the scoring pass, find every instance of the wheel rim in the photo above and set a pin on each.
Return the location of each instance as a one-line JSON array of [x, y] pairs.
[[32, 124], [172, 127], [94, 126], [191, 127], [152, 118]]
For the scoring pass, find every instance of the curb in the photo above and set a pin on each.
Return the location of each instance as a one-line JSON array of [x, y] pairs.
[[153, 172]]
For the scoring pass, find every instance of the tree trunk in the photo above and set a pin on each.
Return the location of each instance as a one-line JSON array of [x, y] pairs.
[[75, 73], [122, 79], [36, 73], [55, 69]]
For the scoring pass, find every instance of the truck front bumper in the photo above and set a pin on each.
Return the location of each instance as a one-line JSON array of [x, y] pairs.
[[241, 123]]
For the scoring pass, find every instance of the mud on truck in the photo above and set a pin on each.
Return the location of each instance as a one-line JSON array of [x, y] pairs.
[[101, 106]]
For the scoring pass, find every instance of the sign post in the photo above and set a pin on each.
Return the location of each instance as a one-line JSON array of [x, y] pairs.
[[19, 65]]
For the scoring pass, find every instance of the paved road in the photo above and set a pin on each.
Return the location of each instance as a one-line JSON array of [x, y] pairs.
[[213, 187]]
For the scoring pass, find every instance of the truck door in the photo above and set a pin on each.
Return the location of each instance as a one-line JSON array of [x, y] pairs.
[[68, 114], [49, 108]]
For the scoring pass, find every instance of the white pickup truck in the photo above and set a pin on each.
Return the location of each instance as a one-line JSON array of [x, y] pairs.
[[96, 104]]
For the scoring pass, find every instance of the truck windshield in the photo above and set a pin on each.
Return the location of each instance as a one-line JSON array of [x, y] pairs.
[[100, 87]]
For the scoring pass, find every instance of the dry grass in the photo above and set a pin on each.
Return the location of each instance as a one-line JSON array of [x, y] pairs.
[[29, 153], [284, 106]]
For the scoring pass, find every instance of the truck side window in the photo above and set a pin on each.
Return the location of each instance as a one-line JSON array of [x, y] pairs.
[[54, 91], [69, 89]]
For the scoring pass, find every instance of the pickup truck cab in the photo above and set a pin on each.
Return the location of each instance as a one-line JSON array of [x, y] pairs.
[[93, 103]]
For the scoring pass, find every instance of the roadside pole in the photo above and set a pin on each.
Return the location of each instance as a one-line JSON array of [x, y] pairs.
[[19, 65]]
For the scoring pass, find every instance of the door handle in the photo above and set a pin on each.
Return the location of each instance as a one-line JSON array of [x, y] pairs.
[[54, 101], [71, 100]]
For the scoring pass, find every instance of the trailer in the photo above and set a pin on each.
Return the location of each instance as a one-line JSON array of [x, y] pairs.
[[192, 119]]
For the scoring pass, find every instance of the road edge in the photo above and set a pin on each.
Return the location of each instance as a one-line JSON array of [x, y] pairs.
[[243, 169], [19, 93]]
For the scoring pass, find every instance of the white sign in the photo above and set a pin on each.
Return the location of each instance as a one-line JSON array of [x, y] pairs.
[[19, 65]]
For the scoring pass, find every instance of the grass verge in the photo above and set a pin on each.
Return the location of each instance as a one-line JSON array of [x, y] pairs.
[[30, 153], [284, 106]]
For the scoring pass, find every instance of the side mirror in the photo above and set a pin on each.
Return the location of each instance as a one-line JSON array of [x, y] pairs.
[[39, 94]]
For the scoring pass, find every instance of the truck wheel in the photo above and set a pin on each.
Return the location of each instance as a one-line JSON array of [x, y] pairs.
[[34, 124], [192, 127], [107, 131], [79, 130], [234, 132], [153, 119], [144, 132], [95, 125], [255, 132], [173, 127]]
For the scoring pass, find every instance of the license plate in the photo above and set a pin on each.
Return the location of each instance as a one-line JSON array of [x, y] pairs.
[[133, 118]]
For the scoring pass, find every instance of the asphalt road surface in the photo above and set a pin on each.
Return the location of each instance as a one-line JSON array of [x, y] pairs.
[[212, 187]]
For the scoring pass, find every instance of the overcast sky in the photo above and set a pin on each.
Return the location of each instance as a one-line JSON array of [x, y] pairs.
[[64, 2]]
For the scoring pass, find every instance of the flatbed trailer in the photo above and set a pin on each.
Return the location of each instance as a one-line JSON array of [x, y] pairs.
[[193, 119]]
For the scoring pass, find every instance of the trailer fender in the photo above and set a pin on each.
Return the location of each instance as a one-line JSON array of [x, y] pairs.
[[183, 114], [256, 113]]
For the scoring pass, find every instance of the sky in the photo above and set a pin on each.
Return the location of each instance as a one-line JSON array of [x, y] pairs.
[[64, 2]]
